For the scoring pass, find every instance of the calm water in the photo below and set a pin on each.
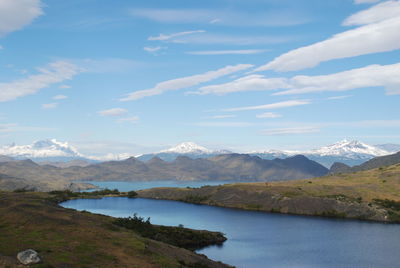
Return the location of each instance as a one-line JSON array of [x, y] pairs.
[[140, 185], [264, 240]]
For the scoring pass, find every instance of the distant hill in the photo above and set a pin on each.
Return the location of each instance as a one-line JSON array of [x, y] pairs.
[[239, 167], [4, 158], [71, 163], [376, 162]]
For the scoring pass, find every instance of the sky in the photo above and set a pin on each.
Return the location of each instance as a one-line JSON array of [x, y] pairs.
[[139, 76]]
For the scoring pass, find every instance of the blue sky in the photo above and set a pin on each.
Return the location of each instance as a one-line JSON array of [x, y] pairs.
[[137, 76]]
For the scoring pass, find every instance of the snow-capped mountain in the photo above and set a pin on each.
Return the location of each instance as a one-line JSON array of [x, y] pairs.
[[189, 149], [52, 150], [345, 151], [349, 149], [49, 148]]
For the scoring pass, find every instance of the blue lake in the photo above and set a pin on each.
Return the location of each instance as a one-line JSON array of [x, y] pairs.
[[140, 185], [257, 239]]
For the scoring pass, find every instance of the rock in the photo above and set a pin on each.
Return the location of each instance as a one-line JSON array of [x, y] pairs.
[[28, 257]]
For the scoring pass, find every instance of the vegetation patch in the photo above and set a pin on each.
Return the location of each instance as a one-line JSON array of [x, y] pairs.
[[177, 236], [195, 199]]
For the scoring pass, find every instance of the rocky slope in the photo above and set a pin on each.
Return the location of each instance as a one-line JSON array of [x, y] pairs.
[[376, 162]]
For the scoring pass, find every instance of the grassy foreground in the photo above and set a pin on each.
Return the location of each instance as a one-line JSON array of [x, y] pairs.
[[367, 195], [68, 238]]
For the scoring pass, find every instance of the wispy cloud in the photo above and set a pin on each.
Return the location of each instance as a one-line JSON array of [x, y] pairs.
[[377, 13], [380, 35], [14, 15], [60, 97], [222, 17], [55, 72], [113, 112], [12, 127], [269, 115], [224, 124], [153, 50], [290, 131], [231, 39], [185, 82], [228, 52], [387, 76], [64, 86], [48, 106], [166, 37], [223, 116], [339, 97], [132, 119], [247, 83], [277, 105]]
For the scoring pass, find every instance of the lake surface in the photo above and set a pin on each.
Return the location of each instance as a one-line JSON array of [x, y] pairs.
[[257, 239], [140, 185]]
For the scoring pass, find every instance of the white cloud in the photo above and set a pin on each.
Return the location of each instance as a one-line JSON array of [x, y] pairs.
[[227, 39], [55, 72], [153, 50], [113, 112], [377, 13], [50, 105], [277, 105], [60, 97], [228, 52], [222, 17], [185, 82], [107, 65], [132, 119], [224, 124], [387, 76], [15, 14], [247, 83], [380, 36], [339, 97], [223, 116], [165, 37], [365, 1], [290, 131], [269, 115], [64, 86]]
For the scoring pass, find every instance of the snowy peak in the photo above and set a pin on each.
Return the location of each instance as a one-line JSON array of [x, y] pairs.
[[349, 148], [187, 148], [41, 149]]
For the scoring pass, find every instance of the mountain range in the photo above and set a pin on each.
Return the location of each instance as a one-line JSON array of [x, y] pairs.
[[345, 151], [62, 154], [228, 167]]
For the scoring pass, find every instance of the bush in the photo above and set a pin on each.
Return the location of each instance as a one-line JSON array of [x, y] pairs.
[[132, 194]]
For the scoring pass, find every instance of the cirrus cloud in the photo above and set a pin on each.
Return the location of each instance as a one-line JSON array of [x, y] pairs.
[[380, 34], [15, 14], [185, 82], [113, 112], [54, 73]]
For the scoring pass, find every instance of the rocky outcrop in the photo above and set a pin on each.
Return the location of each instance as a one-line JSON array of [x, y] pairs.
[[28, 257]]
